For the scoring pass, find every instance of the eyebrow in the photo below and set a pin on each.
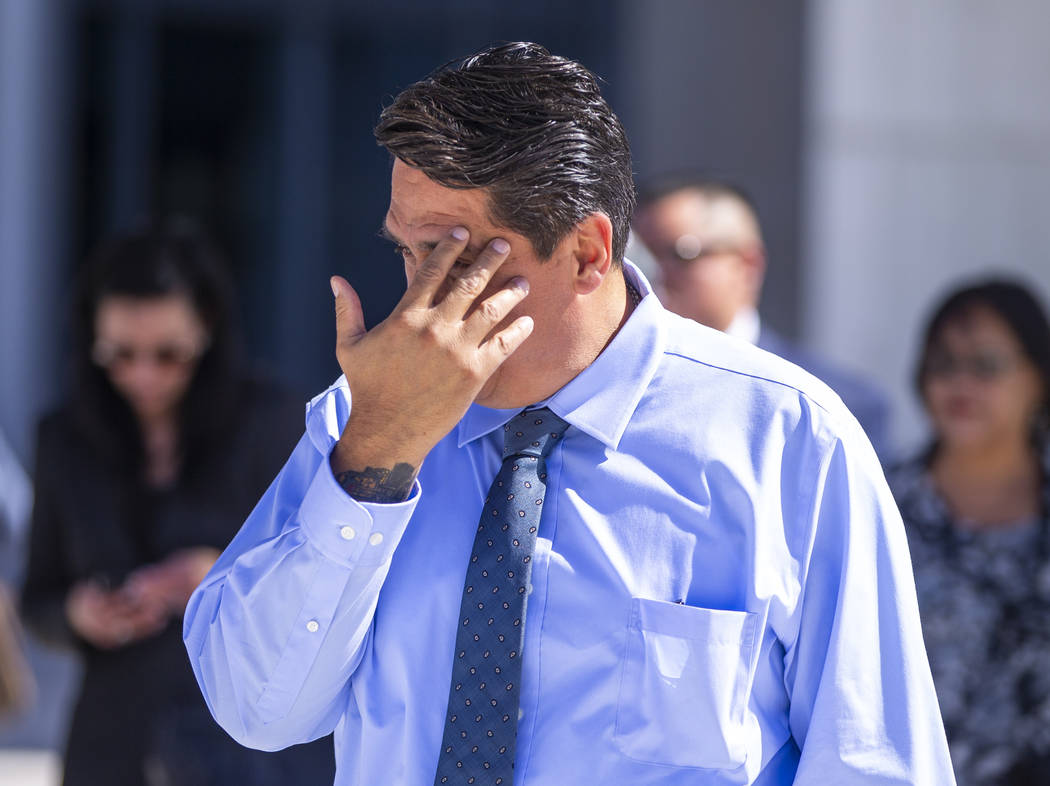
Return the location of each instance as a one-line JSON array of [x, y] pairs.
[[426, 245], [385, 233]]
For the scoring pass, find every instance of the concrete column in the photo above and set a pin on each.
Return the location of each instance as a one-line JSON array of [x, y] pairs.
[[35, 145], [36, 141], [927, 162]]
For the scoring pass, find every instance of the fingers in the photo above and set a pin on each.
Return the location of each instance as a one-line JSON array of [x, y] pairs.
[[432, 272], [469, 286], [501, 344], [494, 309], [349, 317], [149, 585], [108, 620], [131, 627]]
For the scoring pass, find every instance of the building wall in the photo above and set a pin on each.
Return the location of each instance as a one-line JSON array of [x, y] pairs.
[[34, 180], [892, 146], [927, 161], [715, 88]]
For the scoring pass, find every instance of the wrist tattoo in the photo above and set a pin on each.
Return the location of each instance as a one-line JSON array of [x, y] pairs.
[[378, 484]]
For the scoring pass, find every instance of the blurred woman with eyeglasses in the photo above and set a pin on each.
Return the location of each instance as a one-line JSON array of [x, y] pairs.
[[142, 479], [976, 504]]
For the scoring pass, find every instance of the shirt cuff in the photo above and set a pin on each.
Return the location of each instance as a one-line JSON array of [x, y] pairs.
[[347, 531]]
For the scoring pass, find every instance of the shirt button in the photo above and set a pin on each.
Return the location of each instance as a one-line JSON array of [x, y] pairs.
[[375, 538], [312, 626], [521, 713], [347, 533]]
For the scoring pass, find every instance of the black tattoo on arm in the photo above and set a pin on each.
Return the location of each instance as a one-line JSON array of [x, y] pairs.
[[378, 484]]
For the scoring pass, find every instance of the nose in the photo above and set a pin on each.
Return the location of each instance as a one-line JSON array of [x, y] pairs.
[[143, 376]]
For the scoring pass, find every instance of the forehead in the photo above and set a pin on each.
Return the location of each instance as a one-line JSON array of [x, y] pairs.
[[976, 325], [421, 207], [145, 317], [689, 211]]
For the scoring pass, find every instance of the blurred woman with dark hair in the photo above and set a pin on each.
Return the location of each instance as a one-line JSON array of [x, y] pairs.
[[976, 504], [142, 478]]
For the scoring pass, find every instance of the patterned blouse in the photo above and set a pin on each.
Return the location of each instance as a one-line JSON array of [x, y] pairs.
[[985, 604]]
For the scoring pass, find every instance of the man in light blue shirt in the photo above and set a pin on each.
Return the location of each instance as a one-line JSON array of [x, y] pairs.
[[719, 591]]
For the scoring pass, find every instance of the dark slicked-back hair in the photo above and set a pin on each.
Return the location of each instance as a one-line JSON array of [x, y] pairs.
[[529, 126]]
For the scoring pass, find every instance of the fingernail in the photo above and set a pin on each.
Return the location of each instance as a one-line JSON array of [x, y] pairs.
[[520, 283], [460, 233], [335, 289], [500, 246]]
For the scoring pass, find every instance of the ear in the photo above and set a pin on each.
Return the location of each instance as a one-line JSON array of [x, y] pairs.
[[755, 263], [592, 254]]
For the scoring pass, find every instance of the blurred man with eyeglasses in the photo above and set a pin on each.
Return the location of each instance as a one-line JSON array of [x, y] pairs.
[[706, 239]]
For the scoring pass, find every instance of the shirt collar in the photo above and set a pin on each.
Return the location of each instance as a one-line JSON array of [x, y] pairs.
[[601, 399]]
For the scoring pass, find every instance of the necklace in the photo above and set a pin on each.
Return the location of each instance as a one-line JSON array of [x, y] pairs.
[[633, 295]]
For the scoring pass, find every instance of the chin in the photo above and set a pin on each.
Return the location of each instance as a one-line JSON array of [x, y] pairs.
[[151, 409], [967, 439], [493, 400], [496, 396]]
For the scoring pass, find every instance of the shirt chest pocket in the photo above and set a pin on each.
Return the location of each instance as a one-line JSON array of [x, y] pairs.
[[683, 693]]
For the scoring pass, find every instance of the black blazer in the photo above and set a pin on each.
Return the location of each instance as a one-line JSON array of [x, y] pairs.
[[139, 707]]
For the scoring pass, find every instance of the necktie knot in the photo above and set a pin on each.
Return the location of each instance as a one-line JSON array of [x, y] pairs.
[[532, 432]]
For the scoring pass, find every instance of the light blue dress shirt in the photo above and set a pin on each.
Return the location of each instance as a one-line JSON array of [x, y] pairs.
[[721, 591]]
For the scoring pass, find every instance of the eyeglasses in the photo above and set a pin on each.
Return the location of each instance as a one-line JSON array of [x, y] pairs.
[[688, 249], [166, 356], [984, 367]]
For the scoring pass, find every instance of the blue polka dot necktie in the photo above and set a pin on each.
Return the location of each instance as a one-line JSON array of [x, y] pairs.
[[481, 724]]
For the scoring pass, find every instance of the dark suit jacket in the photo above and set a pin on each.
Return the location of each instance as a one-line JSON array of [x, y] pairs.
[[139, 706], [863, 398]]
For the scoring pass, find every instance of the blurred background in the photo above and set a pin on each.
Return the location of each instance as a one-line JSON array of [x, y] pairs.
[[893, 147]]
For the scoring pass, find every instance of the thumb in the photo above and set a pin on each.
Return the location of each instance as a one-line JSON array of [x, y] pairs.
[[349, 318]]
